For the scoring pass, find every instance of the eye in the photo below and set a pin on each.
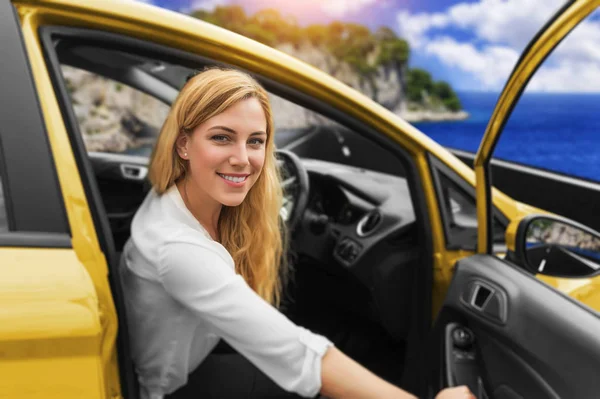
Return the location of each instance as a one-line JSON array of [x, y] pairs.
[[256, 142], [220, 138]]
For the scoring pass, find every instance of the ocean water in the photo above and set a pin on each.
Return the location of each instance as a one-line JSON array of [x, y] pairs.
[[557, 132]]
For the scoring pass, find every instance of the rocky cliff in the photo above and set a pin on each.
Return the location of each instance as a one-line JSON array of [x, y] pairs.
[[373, 62], [386, 85]]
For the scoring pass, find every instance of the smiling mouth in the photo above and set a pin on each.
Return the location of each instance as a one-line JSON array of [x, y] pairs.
[[234, 179]]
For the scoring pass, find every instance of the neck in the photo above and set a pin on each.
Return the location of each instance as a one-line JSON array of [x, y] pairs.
[[204, 208]]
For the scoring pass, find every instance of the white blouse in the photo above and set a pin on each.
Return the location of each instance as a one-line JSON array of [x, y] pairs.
[[182, 295]]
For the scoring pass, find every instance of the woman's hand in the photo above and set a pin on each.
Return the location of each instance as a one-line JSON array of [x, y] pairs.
[[461, 392], [342, 377]]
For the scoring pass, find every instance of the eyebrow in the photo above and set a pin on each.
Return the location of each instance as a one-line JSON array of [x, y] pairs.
[[230, 130]]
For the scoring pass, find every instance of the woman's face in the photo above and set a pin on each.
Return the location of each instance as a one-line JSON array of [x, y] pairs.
[[226, 153]]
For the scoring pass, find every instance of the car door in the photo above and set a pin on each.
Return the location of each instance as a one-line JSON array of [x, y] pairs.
[[503, 331], [53, 317]]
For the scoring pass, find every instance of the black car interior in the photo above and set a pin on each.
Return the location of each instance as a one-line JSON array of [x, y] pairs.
[[357, 251]]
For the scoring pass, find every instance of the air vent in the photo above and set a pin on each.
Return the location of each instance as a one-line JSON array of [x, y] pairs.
[[367, 224]]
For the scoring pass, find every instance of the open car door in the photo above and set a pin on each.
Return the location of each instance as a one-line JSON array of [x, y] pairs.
[[502, 331]]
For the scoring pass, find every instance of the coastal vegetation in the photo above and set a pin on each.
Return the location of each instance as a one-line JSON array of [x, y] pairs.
[[365, 51]]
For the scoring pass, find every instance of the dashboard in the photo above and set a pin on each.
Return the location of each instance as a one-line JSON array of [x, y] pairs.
[[350, 212], [359, 226]]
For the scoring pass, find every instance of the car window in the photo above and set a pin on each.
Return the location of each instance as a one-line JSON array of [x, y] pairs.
[[555, 124], [116, 118], [112, 116], [459, 210], [312, 135]]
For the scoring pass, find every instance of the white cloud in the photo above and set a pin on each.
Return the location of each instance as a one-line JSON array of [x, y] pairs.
[[414, 27], [511, 22], [338, 8], [490, 65], [501, 29], [568, 76], [581, 44]]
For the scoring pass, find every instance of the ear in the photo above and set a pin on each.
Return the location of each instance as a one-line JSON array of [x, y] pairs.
[[181, 144]]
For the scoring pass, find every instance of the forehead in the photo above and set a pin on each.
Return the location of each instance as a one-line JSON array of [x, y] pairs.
[[246, 114]]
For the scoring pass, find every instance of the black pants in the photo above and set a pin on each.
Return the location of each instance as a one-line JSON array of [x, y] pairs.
[[229, 375]]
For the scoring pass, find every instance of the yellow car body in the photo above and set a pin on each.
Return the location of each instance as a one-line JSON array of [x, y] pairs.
[[58, 320]]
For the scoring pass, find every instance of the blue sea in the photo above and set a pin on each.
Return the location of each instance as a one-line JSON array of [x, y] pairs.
[[557, 132]]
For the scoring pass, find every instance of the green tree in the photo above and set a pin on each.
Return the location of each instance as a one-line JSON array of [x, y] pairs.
[[352, 43], [316, 35], [448, 97], [453, 104], [393, 51], [418, 81], [259, 34], [385, 33], [276, 28], [231, 17]]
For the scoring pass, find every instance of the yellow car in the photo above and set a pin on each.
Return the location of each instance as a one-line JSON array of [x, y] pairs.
[[391, 230]]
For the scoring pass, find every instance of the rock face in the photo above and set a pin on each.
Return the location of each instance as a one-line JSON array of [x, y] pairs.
[[387, 86], [113, 117]]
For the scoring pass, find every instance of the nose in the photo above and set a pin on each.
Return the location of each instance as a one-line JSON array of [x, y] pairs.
[[239, 157]]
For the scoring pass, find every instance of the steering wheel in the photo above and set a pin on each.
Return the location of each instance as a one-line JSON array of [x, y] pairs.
[[295, 187]]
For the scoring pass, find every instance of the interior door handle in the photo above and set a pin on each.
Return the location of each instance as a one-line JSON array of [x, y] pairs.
[[486, 300], [480, 296], [133, 172]]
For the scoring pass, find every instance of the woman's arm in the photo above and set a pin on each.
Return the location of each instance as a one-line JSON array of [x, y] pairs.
[[293, 357], [342, 377]]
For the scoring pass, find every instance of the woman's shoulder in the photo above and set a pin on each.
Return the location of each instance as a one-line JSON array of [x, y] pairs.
[[161, 225], [196, 244], [157, 222], [159, 212]]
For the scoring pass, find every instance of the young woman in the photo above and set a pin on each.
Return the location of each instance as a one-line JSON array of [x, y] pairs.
[[203, 262]]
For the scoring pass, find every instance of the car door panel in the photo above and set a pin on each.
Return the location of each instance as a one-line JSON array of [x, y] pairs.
[[50, 326], [542, 345], [53, 319], [92, 247]]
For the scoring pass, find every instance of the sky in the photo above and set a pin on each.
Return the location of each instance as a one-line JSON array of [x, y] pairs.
[[472, 44]]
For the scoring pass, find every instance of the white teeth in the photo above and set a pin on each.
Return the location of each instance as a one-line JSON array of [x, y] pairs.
[[233, 179]]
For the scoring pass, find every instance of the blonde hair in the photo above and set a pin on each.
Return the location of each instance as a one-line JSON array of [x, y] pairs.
[[251, 231]]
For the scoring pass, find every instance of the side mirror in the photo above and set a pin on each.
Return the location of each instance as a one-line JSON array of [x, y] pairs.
[[557, 247]]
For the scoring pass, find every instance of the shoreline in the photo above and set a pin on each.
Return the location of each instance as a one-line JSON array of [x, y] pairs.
[[433, 116]]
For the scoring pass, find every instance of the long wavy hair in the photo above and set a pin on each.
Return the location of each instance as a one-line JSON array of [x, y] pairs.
[[252, 231]]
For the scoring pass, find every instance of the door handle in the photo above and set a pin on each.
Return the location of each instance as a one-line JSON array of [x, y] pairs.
[[133, 172], [480, 296], [486, 300]]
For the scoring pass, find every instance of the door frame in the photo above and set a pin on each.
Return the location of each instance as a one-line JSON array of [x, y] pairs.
[[536, 52]]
